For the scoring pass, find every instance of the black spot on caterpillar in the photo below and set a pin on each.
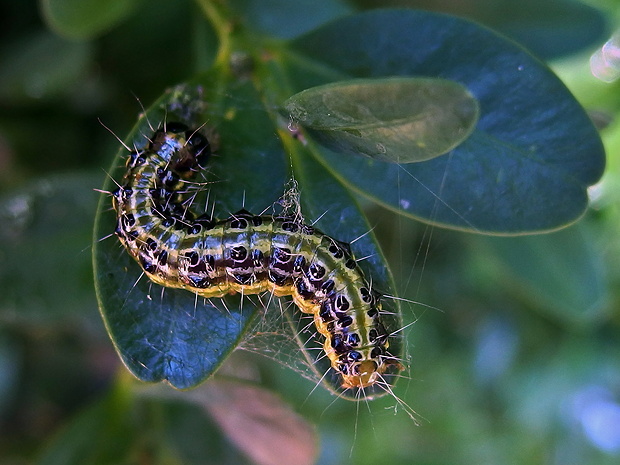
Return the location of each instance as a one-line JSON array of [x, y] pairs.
[[249, 254]]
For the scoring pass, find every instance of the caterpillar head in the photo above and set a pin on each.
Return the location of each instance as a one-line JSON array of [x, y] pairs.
[[186, 149], [366, 373]]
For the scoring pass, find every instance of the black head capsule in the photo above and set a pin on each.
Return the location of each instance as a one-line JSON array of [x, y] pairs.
[[174, 127]]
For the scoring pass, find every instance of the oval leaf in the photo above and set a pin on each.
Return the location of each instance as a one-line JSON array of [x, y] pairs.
[[252, 418], [286, 19], [168, 334], [343, 220], [562, 272], [528, 162], [399, 120], [42, 66], [45, 227], [84, 19], [255, 419]]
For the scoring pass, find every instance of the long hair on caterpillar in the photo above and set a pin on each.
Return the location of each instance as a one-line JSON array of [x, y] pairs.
[[249, 253]]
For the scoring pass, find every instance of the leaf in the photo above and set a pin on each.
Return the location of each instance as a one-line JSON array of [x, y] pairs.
[[341, 219], [167, 334], [45, 235], [286, 19], [549, 29], [84, 19], [108, 421], [255, 419], [562, 272], [42, 66], [399, 120], [531, 157]]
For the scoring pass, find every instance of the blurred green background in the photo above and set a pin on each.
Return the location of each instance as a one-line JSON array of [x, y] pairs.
[[515, 352]]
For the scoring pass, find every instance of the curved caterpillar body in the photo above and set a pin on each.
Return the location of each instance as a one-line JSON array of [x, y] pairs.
[[249, 254]]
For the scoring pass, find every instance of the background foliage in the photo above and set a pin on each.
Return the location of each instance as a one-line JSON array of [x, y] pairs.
[[519, 365]]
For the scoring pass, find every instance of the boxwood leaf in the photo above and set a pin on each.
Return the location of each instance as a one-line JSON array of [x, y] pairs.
[[169, 334], [528, 162], [84, 19], [400, 120]]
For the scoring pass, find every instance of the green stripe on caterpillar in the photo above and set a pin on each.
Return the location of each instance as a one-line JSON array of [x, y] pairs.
[[248, 254]]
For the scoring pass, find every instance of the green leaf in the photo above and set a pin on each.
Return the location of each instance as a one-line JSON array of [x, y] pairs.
[[168, 334], [549, 29], [84, 19], [528, 162], [108, 421], [398, 120], [45, 236], [42, 66], [342, 219], [560, 272], [286, 19]]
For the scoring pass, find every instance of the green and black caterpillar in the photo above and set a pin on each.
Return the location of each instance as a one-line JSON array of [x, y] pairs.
[[248, 254]]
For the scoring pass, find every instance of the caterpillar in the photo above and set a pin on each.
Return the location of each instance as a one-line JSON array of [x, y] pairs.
[[248, 254]]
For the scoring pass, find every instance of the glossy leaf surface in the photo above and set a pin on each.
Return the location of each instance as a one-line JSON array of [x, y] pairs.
[[81, 19], [531, 156], [168, 334], [398, 120]]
